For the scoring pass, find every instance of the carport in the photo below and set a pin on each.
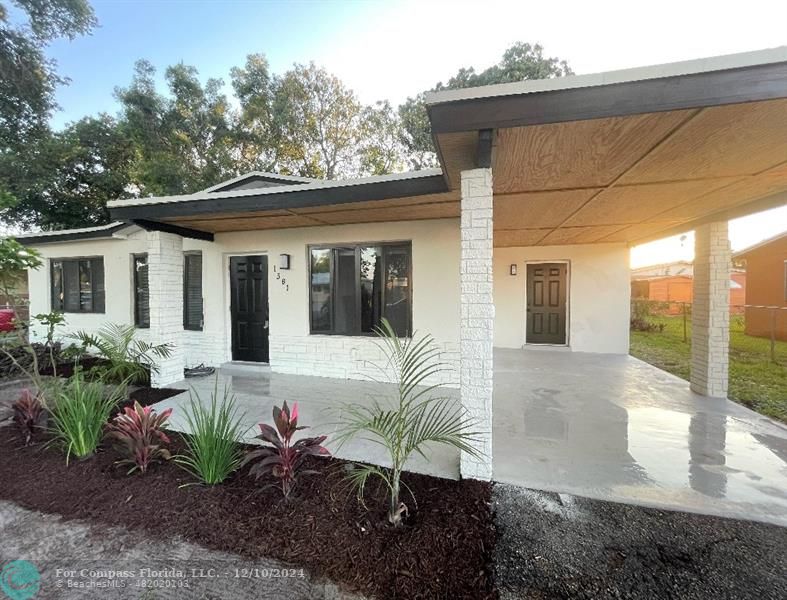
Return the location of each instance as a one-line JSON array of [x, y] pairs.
[[620, 157]]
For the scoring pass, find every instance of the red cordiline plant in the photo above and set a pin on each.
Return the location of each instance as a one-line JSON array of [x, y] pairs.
[[284, 459], [138, 435], [29, 414]]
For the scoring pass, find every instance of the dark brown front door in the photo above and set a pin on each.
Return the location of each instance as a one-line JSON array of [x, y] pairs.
[[546, 303], [249, 307]]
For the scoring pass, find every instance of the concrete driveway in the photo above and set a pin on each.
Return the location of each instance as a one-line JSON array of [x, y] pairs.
[[615, 428]]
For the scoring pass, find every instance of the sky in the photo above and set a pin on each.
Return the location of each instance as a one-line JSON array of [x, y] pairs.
[[395, 49]]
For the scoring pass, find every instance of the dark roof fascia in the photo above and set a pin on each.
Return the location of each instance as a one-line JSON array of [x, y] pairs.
[[677, 92], [286, 199], [186, 232], [69, 236]]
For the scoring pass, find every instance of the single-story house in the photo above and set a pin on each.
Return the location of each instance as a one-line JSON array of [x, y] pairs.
[[672, 283], [520, 238], [766, 296]]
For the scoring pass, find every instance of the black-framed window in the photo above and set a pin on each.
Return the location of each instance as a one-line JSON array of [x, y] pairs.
[[78, 284], [192, 291], [141, 291], [353, 286]]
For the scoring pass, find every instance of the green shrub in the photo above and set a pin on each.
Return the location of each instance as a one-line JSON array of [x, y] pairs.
[[127, 358], [416, 418], [213, 446], [80, 413]]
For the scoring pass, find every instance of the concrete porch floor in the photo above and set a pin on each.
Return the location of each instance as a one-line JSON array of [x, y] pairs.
[[615, 428], [257, 390], [602, 426]]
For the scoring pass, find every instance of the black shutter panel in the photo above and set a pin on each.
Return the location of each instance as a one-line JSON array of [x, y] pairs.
[[192, 292], [97, 271], [141, 291]]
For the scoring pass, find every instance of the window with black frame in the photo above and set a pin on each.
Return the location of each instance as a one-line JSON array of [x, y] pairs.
[[78, 284], [352, 287], [141, 292]]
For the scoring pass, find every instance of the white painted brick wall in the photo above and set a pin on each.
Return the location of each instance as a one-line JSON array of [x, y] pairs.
[[344, 357], [477, 315], [208, 347], [165, 280], [710, 332]]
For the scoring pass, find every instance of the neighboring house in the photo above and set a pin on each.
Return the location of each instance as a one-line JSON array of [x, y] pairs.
[[673, 283], [521, 237], [766, 269]]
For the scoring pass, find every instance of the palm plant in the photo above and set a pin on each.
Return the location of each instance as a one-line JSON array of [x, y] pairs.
[[127, 358], [80, 413], [417, 417], [213, 446]]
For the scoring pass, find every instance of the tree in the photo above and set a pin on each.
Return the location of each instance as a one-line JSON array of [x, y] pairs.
[[520, 62], [183, 142], [27, 78], [381, 150], [317, 123], [64, 179], [254, 127]]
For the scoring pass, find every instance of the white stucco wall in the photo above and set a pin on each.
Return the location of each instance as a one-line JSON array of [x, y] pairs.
[[435, 289], [117, 280], [598, 295]]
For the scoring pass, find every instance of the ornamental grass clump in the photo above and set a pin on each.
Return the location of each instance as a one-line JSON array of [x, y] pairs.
[[138, 435], [283, 461], [215, 433], [407, 424], [80, 413]]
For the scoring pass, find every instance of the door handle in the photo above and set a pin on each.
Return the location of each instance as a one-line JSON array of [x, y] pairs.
[[266, 325]]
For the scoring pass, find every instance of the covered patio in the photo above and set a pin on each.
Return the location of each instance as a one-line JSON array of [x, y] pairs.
[[602, 426]]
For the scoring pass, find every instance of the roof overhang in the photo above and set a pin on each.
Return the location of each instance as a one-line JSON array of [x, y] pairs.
[[403, 196], [626, 156], [116, 229]]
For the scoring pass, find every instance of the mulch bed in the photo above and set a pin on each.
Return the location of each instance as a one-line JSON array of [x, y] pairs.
[[443, 551], [147, 396]]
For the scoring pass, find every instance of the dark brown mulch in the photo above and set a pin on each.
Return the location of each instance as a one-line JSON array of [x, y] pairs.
[[443, 551], [67, 368], [147, 396]]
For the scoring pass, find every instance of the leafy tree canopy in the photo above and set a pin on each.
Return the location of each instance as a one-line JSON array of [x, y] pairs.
[[27, 78], [520, 62], [189, 135]]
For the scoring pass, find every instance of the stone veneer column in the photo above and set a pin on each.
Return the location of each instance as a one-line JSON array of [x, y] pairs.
[[477, 317], [165, 283], [710, 318]]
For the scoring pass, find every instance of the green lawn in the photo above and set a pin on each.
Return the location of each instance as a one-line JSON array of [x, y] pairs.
[[755, 381]]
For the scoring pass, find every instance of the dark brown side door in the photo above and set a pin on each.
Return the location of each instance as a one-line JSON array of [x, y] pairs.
[[546, 303], [249, 307]]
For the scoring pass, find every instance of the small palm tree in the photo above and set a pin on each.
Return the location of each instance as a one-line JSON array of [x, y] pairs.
[[127, 358], [418, 416]]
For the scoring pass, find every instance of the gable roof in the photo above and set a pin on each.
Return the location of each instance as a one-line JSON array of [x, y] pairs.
[[71, 235], [257, 179], [758, 245], [291, 196]]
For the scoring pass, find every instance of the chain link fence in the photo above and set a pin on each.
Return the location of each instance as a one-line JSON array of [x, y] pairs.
[[768, 323]]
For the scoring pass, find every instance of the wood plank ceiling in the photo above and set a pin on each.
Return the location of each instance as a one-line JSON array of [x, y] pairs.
[[428, 206], [619, 179], [624, 179]]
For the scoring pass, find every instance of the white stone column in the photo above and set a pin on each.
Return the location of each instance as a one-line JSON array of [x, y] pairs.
[[477, 318], [710, 314], [165, 282]]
